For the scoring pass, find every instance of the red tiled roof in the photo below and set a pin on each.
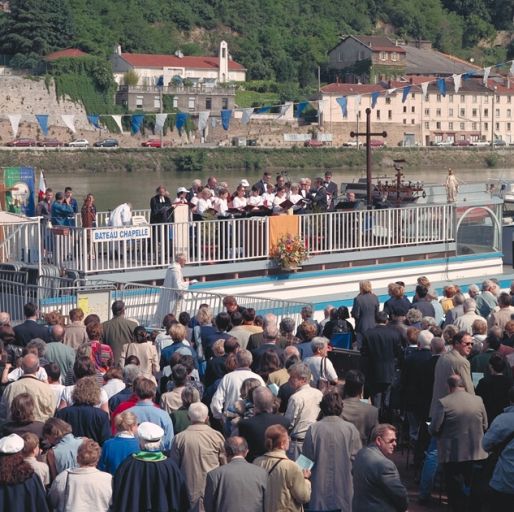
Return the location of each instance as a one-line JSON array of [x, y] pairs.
[[146, 60], [501, 88], [351, 88], [69, 52]]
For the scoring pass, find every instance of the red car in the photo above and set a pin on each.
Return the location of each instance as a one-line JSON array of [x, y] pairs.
[[153, 143], [313, 143], [376, 143], [50, 143], [21, 143]]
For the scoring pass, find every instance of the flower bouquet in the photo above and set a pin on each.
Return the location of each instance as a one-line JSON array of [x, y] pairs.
[[290, 252]]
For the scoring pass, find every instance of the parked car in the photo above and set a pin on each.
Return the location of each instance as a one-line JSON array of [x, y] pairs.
[[21, 143], [500, 142], [313, 143], [480, 143], [351, 144], [49, 143], [78, 143], [376, 143], [443, 143], [463, 142], [152, 143], [106, 143]]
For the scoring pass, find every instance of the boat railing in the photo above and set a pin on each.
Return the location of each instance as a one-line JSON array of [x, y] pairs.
[[218, 241]]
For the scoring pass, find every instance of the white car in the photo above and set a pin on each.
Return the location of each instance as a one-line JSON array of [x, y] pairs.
[[480, 143], [351, 144], [78, 143]]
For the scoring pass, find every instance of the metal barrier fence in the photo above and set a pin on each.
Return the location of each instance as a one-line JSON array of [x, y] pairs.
[[232, 240], [20, 241]]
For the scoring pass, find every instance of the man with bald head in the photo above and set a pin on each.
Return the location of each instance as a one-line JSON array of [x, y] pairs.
[[57, 352], [41, 392]]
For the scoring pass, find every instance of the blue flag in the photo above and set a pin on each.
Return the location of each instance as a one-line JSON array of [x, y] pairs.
[[441, 86], [406, 91], [468, 75], [180, 120], [94, 120], [302, 105], [343, 103], [374, 98], [42, 119], [262, 110], [136, 122], [160, 81], [225, 118]]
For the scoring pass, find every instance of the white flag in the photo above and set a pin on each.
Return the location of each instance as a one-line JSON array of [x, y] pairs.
[[247, 115], [69, 121], [322, 105], [424, 88], [15, 122], [456, 82], [203, 116], [487, 71], [160, 119], [358, 98], [117, 120], [390, 91]]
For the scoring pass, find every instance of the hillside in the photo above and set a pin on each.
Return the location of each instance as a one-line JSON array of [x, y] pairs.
[[282, 40]]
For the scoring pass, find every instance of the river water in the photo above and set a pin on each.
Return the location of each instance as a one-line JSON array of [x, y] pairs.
[[112, 189]]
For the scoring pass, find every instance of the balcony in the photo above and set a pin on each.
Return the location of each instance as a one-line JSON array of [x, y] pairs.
[[213, 90]]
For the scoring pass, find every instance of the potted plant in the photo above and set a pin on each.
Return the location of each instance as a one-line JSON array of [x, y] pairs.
[[290, 252]]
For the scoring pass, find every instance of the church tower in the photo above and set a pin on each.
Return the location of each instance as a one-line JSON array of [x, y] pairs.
[[223, 63]]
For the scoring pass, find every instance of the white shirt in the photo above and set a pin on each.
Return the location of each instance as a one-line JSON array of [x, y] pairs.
[[255, 201], [18, 372], [277, 201], [303, 410], [113, 386], [318, 365], [267, 199], [228, 391], [294, 198], [220, 205], [203, 205], [239, 202], [121, 216]]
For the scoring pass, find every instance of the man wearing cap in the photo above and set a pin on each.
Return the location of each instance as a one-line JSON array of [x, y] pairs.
[[20, 489], [148, 480]]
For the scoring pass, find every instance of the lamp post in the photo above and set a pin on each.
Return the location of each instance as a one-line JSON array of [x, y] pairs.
[[492, 117]]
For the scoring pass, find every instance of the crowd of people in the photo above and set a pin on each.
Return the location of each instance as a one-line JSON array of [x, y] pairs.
[[236, 411]]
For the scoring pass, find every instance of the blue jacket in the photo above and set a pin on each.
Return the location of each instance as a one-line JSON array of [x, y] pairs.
[[115, 451], [146, 411], [62, 214]]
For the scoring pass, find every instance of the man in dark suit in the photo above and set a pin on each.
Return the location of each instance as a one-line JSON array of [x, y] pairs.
[[459, 422], [118, 330], [376, 481], [30, 329], [381, 347], [253, 429], [237, 485], [159, 206]]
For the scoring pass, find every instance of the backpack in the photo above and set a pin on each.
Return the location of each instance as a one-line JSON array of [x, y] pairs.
[[102, 355]]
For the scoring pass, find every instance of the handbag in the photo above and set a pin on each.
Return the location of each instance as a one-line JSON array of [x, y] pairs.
[[324, 385]]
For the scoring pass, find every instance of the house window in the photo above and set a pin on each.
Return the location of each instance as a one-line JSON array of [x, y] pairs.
[[450, 112], [509, 99], [404, 109], [208, 103], [156, 103], [497, 127], [462, 126], [498, 98], [438, 112], [509, 112], [508, 127], [390, 115], [486, 126], [412, 110], [427, 125], [413, 96], [383, 56], [474, 112], [427, 111], [497, 112], [438, 125], [405, 121], [139, 102], [175, 102], [462, 112], [388, 101], [378, 114], [438, 97], [191, 103], [224, 103], [462, 98], [474, 126], [394, 56], [223, 54], [341, 56], [486, 99], [486, 112], [450, 98], [475, 99], [450, 126], [412, 121]]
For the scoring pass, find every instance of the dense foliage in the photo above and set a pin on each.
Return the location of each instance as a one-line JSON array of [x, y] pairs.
[[282, 40]]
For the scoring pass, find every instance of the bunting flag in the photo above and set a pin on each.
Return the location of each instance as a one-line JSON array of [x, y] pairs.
[[160, 81], [15, 123], [457, 82], [390, 91], [343, 103], [117, 120], [136, 122], [263, 110], [203, 117], [180, 120], [226, 114], [42, 120], [94, 120], [424, 88], [512, 68], [487, 72], [441, 86], [322, 105], [160, 119], [374, 97], [214, 122], [300, 107], [284, 109], [405, 93], [468, 74], [42, 186], [358, 99], [69, 121], [247, 115]]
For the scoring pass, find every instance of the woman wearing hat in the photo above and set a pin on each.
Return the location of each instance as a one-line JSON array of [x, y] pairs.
[[20, 488]]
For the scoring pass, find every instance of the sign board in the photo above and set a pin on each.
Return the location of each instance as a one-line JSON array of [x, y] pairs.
[[120, 234], [97, 303], [324, 137], [296, 137]]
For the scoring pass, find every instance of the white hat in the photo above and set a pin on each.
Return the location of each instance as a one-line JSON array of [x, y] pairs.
[[11, 444], [244, 183], [150, 431], [181, 189]]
